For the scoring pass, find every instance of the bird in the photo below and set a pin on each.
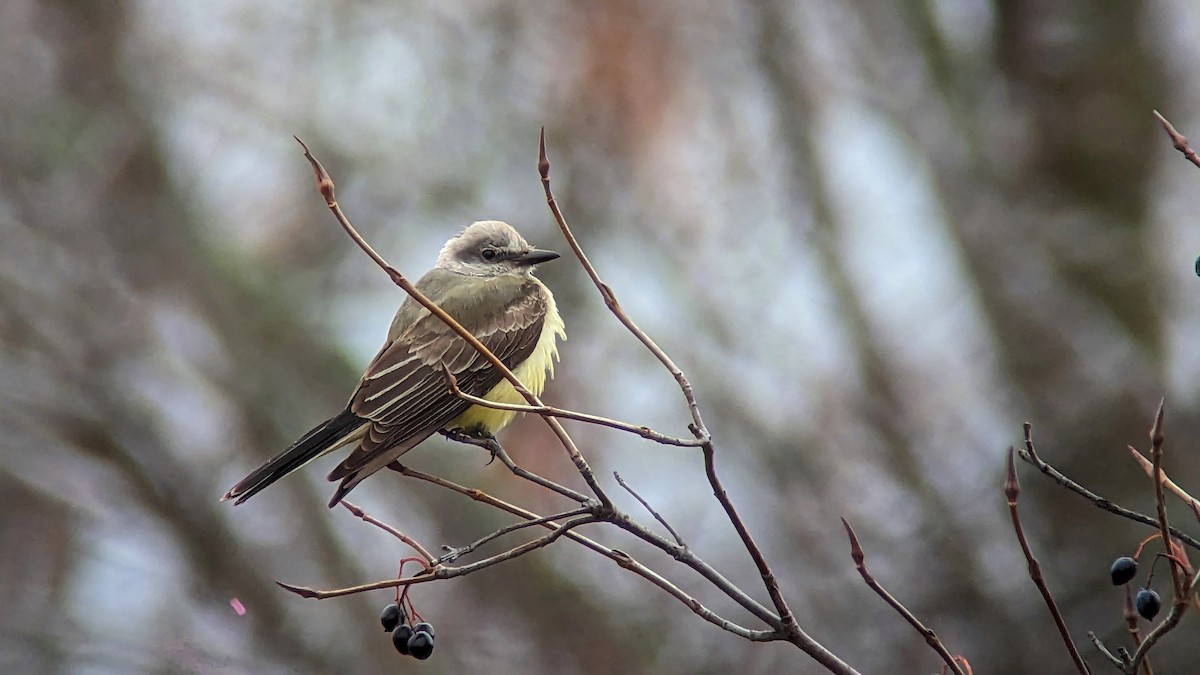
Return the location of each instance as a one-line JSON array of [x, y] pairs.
[[484, 279]]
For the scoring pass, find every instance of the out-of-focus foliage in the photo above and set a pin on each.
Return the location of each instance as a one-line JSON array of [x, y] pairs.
[[878, 236]]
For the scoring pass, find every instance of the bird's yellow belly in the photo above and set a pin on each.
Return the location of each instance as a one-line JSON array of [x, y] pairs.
[[531, 372]]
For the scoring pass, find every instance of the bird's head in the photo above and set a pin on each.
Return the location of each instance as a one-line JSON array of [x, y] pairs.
[[491, 248]]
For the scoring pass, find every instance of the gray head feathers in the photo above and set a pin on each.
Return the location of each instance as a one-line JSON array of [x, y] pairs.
[[490, 248]]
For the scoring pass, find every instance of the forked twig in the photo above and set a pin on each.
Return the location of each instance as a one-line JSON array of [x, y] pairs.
[[1029, 454]]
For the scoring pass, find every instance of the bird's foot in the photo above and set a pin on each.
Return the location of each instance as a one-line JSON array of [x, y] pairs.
[[477, 437]]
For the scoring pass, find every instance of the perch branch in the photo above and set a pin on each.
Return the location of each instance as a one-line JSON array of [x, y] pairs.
[[550, 411]]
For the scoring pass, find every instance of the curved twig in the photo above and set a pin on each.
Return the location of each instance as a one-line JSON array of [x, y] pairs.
[[931, 638]]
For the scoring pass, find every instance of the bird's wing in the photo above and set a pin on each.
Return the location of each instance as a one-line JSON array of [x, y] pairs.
[[404, 394]]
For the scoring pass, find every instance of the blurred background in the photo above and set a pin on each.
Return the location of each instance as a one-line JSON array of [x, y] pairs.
[[877, 236]]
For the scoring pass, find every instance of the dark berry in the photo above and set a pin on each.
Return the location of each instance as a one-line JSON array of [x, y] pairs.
[[420, 645], [390, 617], [1147, 603], [1124, 569], [400, 638], [427, 627]]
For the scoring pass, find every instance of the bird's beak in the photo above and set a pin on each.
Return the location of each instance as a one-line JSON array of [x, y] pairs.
[[535, 256]]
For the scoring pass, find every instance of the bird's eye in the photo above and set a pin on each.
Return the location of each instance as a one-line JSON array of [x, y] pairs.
[[489, 254]]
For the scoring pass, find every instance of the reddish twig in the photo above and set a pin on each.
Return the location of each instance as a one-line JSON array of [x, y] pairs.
[[1178, 140], [931, 638], [1012, 490], [413, 543], [1181, 588], [445, 571], [1131, 623]]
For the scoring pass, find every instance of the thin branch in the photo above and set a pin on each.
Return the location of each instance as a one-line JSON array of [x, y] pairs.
[[1112, 658], [1131, 623], [413, 543], [550, 411], [698, 429], [326, 187], [662, 521], [610, 299], [493, 446], [455, 552], [622, 520], [622, 559], [1029, 454], [444, 571], [1160, 500], [931, 638], [1178, 140], [1012, 490], [1180, 587]]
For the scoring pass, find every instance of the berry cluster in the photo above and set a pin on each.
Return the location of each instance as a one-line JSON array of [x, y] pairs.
[[1147, 602], [415, 640]]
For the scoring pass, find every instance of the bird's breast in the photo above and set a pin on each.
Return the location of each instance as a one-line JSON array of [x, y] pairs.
[[532, 372]]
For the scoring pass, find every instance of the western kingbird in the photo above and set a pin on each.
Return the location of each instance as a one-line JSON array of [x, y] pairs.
[[484, 279]]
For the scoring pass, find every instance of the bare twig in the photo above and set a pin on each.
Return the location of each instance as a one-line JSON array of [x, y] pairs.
[[326, 187], [698, 429], [445, 571], [1181, 588], [1029, 455], [1112, 658], [455, 552], [620, 519], [931, 638], [550, 411], [646, 504], [1131, 623], [1012, 490], [1160, 501], [413, 543], [1178, 140]]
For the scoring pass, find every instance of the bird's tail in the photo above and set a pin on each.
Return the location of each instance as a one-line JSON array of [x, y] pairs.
[[326, 436]]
